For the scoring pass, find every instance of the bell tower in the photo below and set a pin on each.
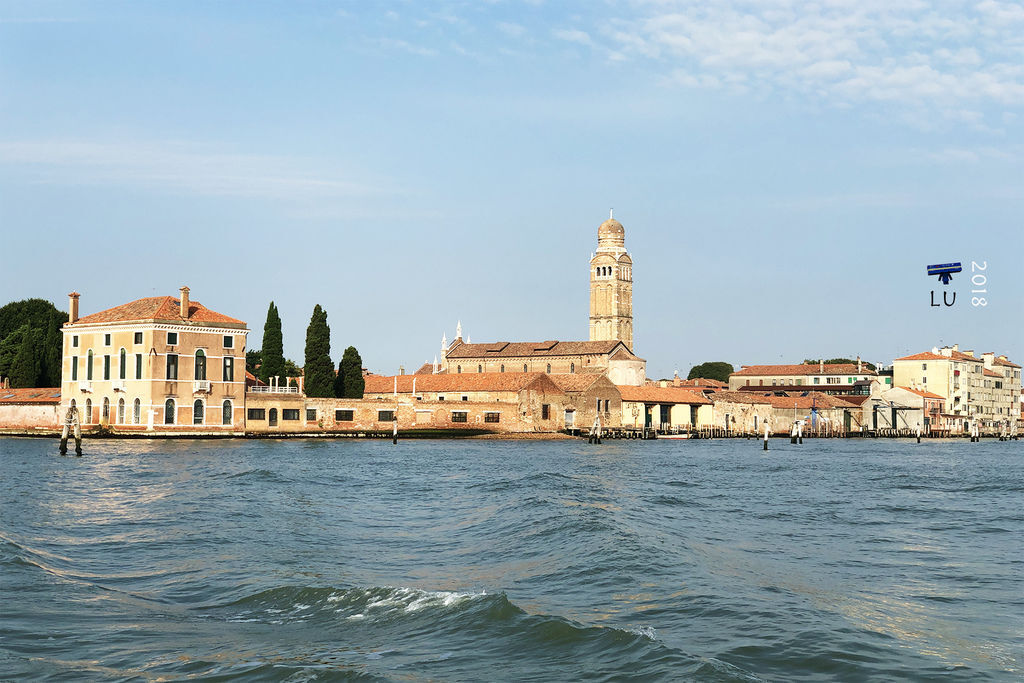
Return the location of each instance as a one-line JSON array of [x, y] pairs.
[[611, 286]]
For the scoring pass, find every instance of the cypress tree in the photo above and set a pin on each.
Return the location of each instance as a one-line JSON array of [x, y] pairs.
[[273, 347], [24, 369], [351, 368], [339, 380], [53, 350], [318, 369]]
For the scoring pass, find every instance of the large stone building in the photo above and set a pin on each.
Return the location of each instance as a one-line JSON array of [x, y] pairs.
[[825, 377], [984, 389], [155, 364], [610, 348]]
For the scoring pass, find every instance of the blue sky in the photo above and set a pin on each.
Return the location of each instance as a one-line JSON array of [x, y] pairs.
[[785, 171]]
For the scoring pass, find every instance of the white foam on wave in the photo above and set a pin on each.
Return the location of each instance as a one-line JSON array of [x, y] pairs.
[[645, 631]]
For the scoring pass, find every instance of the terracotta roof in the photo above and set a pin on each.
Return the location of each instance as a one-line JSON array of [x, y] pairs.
[[991, 373], [49, 395], [425, 369], [466, 381], [922, 392], [999, 361], [857, 400], [663, 395], [803, 369], [159, 309], [738, 397], [927, 355], [960, 355], [532, 349]]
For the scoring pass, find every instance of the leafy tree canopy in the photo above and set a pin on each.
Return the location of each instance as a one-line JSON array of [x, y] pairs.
[[837, 361], [719, 370], [41, 322], [350, 382]]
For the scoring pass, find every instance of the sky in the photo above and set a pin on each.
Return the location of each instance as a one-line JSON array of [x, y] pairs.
[[785, 171]]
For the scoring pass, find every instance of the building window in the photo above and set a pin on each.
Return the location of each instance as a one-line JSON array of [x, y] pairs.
[[525, 369], [799, 382], [137, 412], [122, 365], [344, 415], [289, 413], [492, 417], [460, 416], [503, 367], [169, 411], [229, 369], [606, 405], [924, 380], [229, 341], [172, 338], [256, 414], [310, 414], [172, 366], [440, 398], [197, 412], [385, 415], [479, 368], [227, 414], [458, 369], [106, 367], [549, 368], [832, 380], [138, 337], [924, 366], [88, 410], [106, 339], [272, 417], [465, 398], [545, 411], [120, 411], [88, 366], [200, 369], [74, 340], [138, 366], [74, 368], [572, 367], [105, 415]]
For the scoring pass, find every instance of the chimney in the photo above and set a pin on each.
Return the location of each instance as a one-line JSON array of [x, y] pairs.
[[183, 311], [73, 306], [860, 366], [401, 369], [675, 379], [821, 366]]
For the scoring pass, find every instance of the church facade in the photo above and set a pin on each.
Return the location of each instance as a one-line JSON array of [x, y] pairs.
[[609, 350]]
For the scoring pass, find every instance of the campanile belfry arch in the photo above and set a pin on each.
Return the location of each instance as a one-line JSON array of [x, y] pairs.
[[611, 286]]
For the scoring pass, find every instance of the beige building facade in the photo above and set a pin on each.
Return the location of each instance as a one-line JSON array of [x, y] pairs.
[[159, 364], [818, 377]]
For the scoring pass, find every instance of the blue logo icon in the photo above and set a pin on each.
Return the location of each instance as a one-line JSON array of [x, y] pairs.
[[944, 271]]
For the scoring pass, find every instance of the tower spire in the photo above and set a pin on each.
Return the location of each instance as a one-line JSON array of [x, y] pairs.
[[611, 214]]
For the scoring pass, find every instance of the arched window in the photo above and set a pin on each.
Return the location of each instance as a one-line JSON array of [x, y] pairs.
[[503, 367], [122, 366], [88, 366], [479, 368], [197, 412], [169, 411], [525, 369], [458, 369], [226, 417], [74, 406], [137, 412], [572, 367], [120, 411], [200, 364], [549, 368], [87, 418], [105, 415]]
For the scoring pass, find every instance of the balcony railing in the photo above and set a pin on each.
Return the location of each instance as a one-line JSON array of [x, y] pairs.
[[272, 390], [201, 385]]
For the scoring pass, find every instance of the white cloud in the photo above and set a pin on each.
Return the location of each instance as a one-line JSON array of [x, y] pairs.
[[397, 44], [177, 167], [943, 57], [573, 36]]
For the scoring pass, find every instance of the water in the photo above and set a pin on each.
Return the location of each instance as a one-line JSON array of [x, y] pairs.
[[490, 560]]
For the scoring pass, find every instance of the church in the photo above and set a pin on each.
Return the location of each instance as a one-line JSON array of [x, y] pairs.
[[610, 348]]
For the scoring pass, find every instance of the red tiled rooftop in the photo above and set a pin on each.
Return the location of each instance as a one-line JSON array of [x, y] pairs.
[[41, 395], [991, 373], [580, 381], [922, 392], [159, 309], [532, 349], [803, 369]]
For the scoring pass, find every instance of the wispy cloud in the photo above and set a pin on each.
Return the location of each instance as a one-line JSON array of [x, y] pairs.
[[178, 167], [945, 57], [397, 44], [573, 35]]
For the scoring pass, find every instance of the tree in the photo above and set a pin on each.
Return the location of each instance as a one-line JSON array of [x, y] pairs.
[[318, 368], [350, 382], [52, 357], [43, 321], [273, 346], [25, 368], [253, 360], [719, 370], [836, 361]]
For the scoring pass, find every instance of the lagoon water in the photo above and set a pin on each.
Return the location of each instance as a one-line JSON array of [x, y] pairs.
[[504, 560]]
